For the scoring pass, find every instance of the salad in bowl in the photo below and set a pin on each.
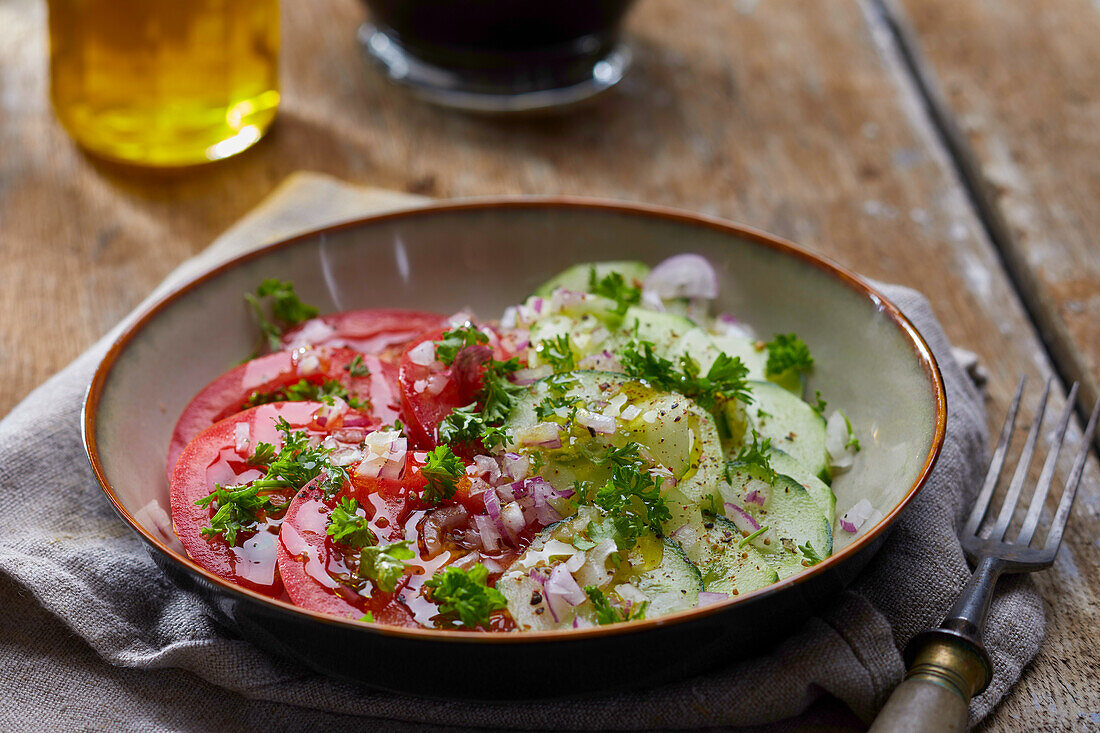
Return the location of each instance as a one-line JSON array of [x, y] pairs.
[[608, 450]]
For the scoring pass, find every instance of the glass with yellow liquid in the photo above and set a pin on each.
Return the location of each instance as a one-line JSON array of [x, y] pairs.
[[164, 82]]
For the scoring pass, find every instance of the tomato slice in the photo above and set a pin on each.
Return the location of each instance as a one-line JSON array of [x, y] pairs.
[[219, 456], [372, 380], [321, 574], [375, 331], [430, 392]]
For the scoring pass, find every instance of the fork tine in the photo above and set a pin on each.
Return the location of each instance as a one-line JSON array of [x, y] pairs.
[[995, 465], [1061, 517], [1031, 521], [1012, 497]]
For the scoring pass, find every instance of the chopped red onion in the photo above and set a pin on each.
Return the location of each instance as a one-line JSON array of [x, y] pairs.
[[511, 516], [599, 423], [516, 466], [543, 435], [241, 437], [357, 420], [581, 623], [423, 353], [492, 503], [854, 519], [706, 598], [490, 536], [532, 375], [487, 466], [467, 364], [683, 276], [756, 496], [562, 589], [741, 518]]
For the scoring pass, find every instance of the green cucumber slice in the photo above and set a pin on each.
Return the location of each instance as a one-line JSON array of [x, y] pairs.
[[793, 426], [669, 582], [791, 514], [577, 277], [818, 490], [713, 544]]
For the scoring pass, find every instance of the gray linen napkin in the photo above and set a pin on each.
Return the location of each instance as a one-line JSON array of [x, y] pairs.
[[89, 618]]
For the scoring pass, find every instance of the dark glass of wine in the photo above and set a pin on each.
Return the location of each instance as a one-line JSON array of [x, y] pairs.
[[499, 55]]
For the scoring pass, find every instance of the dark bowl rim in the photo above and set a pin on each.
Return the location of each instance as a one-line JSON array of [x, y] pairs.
[[89, 411]]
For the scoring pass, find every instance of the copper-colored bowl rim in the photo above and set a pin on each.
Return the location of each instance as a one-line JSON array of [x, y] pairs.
[[920, 348]]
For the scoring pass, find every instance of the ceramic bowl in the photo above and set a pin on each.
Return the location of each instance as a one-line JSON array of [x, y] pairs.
[[485, 255]]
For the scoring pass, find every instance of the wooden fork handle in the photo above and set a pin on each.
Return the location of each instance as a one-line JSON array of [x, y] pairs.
[[935, 695]]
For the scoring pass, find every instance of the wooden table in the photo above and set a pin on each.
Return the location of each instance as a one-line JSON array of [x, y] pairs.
[[949, 145]]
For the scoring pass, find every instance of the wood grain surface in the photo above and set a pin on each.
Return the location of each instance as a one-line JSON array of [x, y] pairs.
[[1017, 90], [798, 118]]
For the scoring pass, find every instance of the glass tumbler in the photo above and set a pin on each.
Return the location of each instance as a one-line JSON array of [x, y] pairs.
[[164, 82]]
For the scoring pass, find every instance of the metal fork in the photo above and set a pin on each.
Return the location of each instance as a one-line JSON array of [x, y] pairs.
[[948, 665]]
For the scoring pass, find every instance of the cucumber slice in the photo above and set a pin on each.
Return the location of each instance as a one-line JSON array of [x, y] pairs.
[[745, 350], [792, 515], [818, 490], [673, 430], [793, 426], [577, 277], [712, 543], [657, 569]]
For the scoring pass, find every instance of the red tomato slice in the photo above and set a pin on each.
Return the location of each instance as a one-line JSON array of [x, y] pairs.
[[219, 455], [313, 566], [372, 331], [430, 392], [230, 393]]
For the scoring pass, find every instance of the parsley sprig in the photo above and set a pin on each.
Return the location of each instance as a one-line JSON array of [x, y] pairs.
[[384, 564], [483, 419], [633, 501], [238, 511], [606, 613], [754, 456], [356, 367], [613, 286], [286, 309], [456, 340], [293, 466], [558, 353], [442, 472], [787, 353], [307, 391], [348, 527], [725, 380], [465, 595]]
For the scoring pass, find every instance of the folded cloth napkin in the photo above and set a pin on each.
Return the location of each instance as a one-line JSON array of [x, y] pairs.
[[94, 636]]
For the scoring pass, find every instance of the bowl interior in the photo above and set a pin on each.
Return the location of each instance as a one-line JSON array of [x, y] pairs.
[[484, 258]]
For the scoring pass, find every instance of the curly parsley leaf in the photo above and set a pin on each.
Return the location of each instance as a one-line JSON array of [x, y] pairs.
[[442, 472], [558, 353], [628, 455], [606, 613], [293, 466], [821, 404], [384, 564], [348, 527], [356, 367], [465, 595], [754, 456], [725, 380], [456, 340], [239, 509], [613, 286], [286, 309], [787, 353], [633, 502], [307, 391], [482, 420]]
